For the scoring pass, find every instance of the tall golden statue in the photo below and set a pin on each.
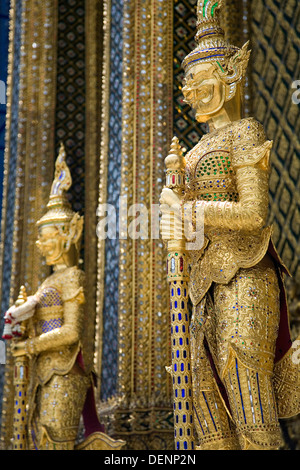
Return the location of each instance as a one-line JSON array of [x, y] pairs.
[[47, 332], [244, 373]]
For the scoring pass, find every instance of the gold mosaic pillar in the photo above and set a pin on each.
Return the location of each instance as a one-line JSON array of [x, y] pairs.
[[94, 125], [275, 43], [103, 113], [144, 418]]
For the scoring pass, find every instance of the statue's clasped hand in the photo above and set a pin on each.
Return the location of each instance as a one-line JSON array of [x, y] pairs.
[[22, 312], [17, 314], [18, 348], [171, 225], [170, 198]]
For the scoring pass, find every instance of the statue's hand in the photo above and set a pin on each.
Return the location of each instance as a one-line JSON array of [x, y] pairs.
[[171, 220], [18, 348], [169, 197], [167, 223], [23, 312]]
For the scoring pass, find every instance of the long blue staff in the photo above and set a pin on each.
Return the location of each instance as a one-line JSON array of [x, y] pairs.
[[178, 278]]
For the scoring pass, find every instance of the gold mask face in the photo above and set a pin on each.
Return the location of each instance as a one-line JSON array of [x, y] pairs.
[[204, 91], [50, 244]]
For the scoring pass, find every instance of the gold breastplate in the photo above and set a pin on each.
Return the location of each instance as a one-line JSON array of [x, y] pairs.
[[209, 172]]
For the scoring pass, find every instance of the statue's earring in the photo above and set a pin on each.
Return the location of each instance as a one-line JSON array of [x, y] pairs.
[[230, 91], [67, 245]]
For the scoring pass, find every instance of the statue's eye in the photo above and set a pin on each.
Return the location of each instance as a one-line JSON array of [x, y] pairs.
[[204, 92]]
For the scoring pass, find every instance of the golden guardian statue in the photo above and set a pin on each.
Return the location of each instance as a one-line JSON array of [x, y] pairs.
[[244, 376], [47, 333]]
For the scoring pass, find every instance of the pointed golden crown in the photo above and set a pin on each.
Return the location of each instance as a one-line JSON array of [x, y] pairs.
[[59, 209], [210, 38]]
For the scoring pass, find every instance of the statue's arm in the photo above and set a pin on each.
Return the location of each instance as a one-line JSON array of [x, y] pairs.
[[250, 212], [69, 333]]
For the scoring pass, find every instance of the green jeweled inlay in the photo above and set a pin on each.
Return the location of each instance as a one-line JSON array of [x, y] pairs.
[[221, 197], [218, 63], [204, 7], [213, 165], [213, 9]]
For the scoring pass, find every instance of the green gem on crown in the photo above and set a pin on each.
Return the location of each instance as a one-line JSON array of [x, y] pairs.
[[212, 8]]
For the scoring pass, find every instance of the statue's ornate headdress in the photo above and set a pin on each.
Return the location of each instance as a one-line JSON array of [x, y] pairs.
[[212, 46], [60, 213], [59, 209]]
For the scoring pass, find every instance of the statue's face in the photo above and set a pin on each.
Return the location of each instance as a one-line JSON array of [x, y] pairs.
[[204, 91], [51, 244]]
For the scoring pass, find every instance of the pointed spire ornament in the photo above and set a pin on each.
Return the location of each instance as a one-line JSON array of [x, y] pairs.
[[10, 332], [175, 159], [22, 297], [62, 178], [175, 167]]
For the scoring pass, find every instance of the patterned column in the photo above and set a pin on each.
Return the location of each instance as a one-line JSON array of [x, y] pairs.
[[78, 126], [92, 73], [4, 22], [275, 51], [106, 349], [275, 42], [144, 416]]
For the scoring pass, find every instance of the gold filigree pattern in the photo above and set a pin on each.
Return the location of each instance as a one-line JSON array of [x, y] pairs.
[[236, 307], [100, 441], [240, 323], [212, 423], [102, 190], [287, 384], [97, 116], [35, 167], [55, 427], [143, 318], [63, 342], [253, 408]]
